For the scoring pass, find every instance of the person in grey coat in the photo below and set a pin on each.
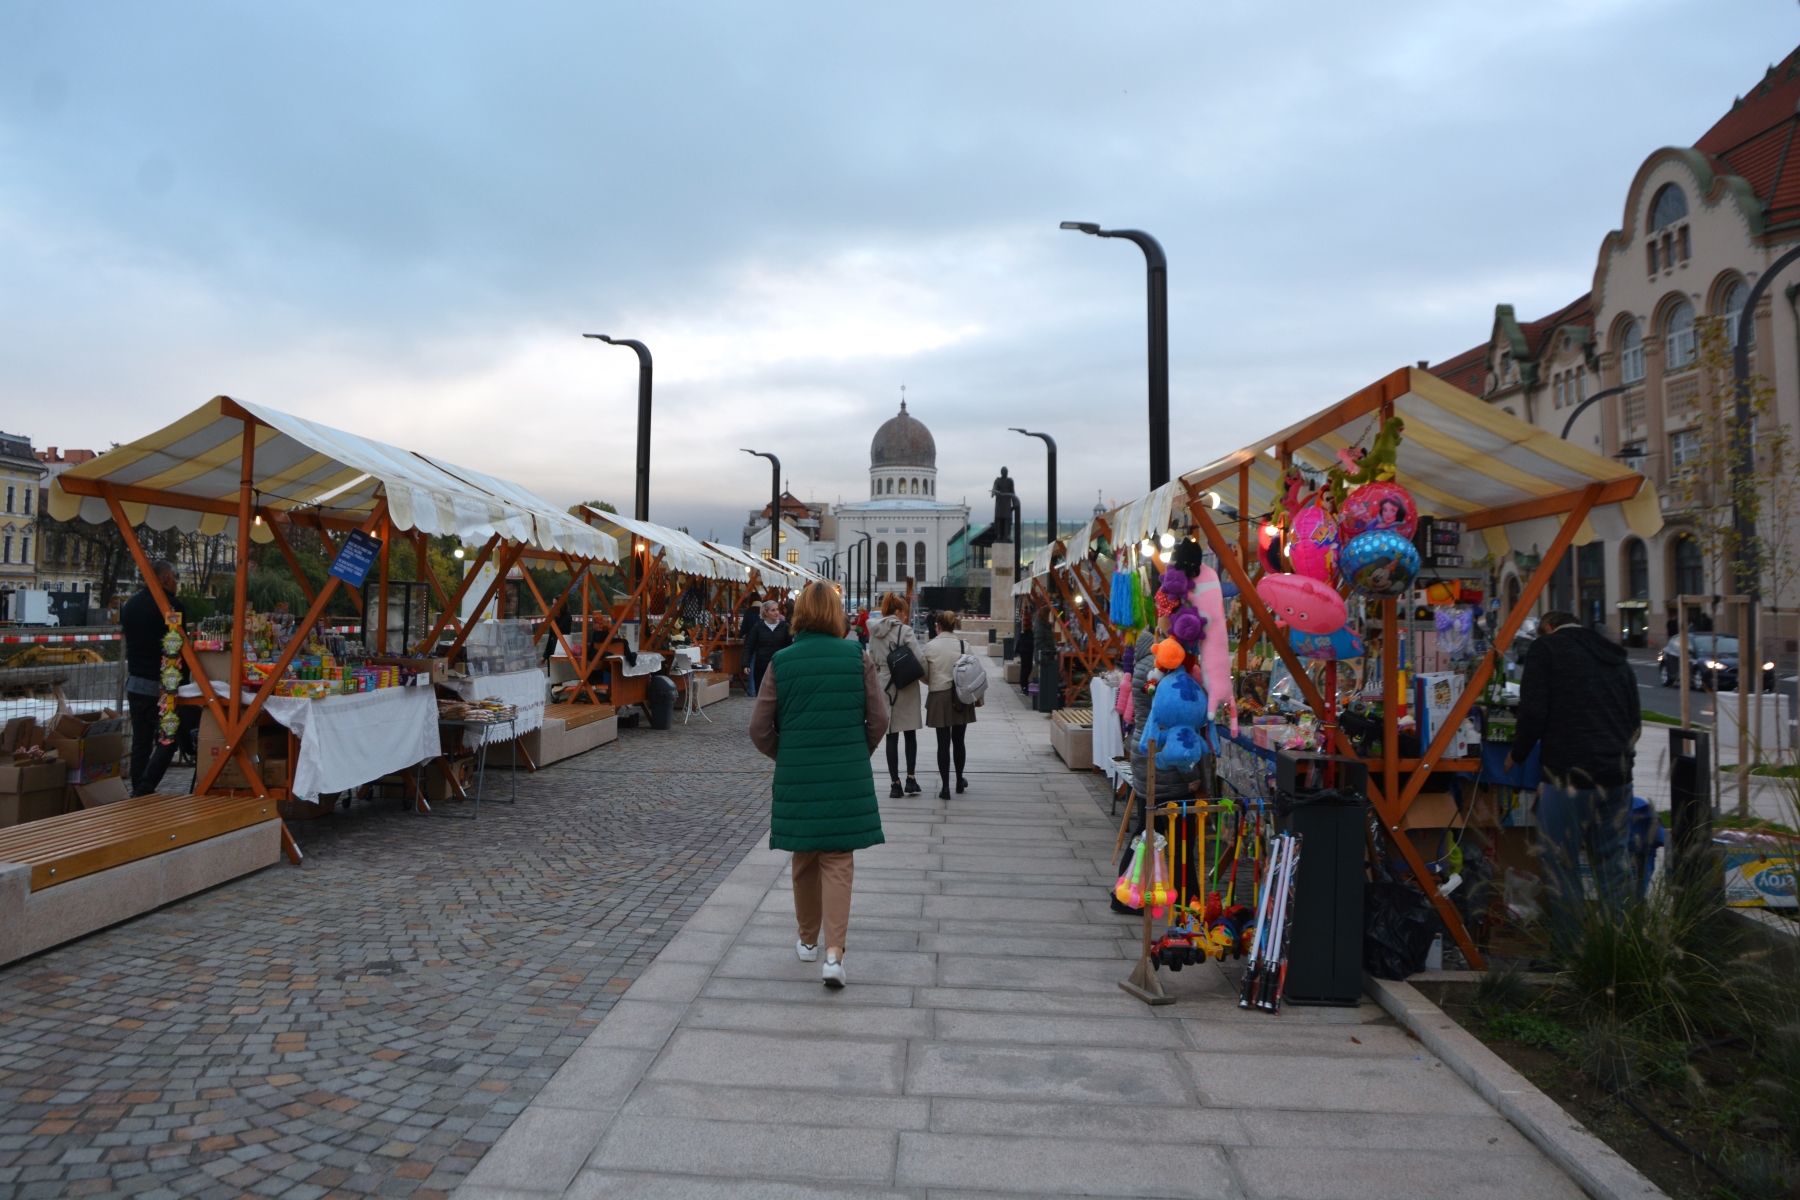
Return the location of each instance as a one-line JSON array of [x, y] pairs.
[[887, 632]]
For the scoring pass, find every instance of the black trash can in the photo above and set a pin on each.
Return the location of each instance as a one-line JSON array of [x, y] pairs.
[[662, 701], [1325, 959]]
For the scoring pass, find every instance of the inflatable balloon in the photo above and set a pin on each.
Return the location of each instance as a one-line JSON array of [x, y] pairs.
[[1268, 546], [1335, 647], [1381, 565], [1379, 508], [1313, 545], [1302, 603]]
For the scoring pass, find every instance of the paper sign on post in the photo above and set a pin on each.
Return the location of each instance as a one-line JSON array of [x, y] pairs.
[[355, 557]]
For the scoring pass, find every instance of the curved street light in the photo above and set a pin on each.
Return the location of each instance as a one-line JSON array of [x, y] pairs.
[[1156, 270], [641, 505], [1050, 484], [774, 502]]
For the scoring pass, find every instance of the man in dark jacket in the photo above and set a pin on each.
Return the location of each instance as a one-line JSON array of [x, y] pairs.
[[141, 622], [1578, 700]]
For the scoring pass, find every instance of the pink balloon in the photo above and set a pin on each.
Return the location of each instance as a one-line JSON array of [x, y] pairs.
[[1314, 546], [1379, 508], [1303, 603]]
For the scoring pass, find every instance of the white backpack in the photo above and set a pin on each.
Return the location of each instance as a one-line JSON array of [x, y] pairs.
[[968, 678]]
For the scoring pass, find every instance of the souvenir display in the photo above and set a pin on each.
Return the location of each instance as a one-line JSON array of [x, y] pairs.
[[1381, 565], [1313, 543], [1302, 603], [1379, 508]]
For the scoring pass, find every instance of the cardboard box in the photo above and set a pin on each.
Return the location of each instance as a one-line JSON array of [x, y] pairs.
[[16, 808], [105, 791], [1758, 869], [95, 772], [1432, 810], [20, 733], [433, 668], [31, 777]]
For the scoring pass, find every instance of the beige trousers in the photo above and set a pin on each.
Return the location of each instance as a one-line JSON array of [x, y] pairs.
[[822, 890]]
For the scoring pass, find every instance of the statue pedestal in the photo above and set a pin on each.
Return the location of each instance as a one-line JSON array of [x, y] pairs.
[[1000, 597]]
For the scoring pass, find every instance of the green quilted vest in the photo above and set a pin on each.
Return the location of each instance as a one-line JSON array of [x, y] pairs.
[[824, 786]]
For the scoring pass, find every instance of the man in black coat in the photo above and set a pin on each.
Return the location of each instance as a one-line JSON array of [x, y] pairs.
[[141, 622], [1579, 701]]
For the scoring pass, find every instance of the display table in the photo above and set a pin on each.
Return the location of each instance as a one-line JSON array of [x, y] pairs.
[[524, 690], [349, 740]]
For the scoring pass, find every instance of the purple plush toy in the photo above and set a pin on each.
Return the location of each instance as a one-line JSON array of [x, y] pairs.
[[1187, 626], [1176, 584]]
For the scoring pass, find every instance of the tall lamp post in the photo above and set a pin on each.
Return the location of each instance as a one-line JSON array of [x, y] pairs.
[[866, 558], [1050, 484], [774, 502], [641, 507], [1157, 280]]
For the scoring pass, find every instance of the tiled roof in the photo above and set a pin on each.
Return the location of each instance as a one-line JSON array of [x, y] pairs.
[[1756, 139], [1467, 370], [1578, 312]]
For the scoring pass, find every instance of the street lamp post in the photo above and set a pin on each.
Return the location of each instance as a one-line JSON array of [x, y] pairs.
[[641, 507], [1157, 281], [774, 502], [1050, 483], [866, 558], [1743, 436]]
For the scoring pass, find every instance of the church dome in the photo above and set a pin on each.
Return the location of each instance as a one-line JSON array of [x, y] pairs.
[[903, 442]]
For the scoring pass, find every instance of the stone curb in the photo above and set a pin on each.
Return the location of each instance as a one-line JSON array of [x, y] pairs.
[[1590, 1162], [543, 1150]]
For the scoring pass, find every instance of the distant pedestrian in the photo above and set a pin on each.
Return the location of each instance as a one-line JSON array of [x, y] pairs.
[[768, 636], [943, 711], [820, 727], [1026, 647], [887, 633], [1578, 699]]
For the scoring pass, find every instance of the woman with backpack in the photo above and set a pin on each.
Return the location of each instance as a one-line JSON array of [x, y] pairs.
[[894, 649], [819, 714], [945, 711]]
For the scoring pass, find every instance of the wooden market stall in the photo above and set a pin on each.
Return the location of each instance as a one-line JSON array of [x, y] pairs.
[[1510, 486], [255, 474]]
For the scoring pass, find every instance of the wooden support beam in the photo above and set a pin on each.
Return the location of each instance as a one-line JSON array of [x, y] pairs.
[[1611, 492]]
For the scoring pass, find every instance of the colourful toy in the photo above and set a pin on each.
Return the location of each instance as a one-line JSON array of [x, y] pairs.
[[1313, 544], [1378, 463], [1179, 722], [1377, 507], [1130, 889], [1302, 603], [1381, 565], [1268, 545], [1326, 647]]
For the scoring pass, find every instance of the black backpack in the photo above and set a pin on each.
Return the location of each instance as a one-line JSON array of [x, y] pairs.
[[904, 669]]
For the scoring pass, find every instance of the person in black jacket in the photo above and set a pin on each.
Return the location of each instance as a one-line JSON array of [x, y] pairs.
[[142, 624], [1027, 647], [765, 637], [1578, 700]]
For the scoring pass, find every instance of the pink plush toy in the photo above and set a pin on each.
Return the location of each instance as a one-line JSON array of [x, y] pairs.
[[1302, 603], [1215, 650]]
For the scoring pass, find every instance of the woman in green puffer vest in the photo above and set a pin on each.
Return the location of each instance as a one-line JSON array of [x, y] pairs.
[[819, 714]]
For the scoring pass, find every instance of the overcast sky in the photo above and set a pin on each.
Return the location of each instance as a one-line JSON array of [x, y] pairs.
[[399, 219]]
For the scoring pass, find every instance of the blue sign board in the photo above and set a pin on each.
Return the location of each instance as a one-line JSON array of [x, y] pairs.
[[355, 557]]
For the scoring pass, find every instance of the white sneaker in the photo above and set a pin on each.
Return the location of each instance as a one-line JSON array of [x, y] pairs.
[[832, 973], [807, 953]]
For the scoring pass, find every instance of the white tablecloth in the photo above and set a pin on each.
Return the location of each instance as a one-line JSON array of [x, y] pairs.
[[348, 740], [1109, 737], [524, 690]]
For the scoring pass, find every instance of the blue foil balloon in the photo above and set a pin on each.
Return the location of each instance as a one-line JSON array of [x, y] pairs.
[[1381, 564]]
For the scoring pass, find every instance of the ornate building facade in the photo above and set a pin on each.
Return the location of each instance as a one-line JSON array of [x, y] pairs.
[[909, 528]]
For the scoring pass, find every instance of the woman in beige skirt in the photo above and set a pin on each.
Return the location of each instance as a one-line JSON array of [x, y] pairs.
[[943, 711]]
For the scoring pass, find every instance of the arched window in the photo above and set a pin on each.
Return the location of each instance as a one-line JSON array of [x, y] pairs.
[[1690, 569], [1735, 296], [1513, 589], [1678, 334], [900, 560], [890, 487], [1670, 206], [915, 487], [880, 562], [1631, 353], [919, 560], [1637, 570]]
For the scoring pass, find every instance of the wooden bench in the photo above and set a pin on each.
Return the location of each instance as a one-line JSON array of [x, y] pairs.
[[69, 875], [569, 729]]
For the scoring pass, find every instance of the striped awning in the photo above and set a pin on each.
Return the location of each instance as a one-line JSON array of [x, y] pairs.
[[680, 551], [772, 573], [187, 476]]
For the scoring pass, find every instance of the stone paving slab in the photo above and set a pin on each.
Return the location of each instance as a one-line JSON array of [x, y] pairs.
[[983, 1046]]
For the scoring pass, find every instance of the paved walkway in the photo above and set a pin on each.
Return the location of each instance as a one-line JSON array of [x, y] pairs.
[[983, 1046]]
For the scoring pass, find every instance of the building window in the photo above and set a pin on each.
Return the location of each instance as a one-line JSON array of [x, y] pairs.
[[919, 560], [1560, 392], [1669, 207], [881, 562], [1637, 570], [899, 560], [1735, 296], [9, 497], [793, 556], [1679, 330], [6, 549], [24, 547], [1683, 246], [1651, 254], [1631, 353], [1684, 449], [1632, 454], [1690, 571], [28, 492]]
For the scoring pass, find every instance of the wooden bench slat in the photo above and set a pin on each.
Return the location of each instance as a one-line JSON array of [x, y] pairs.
[[55, 831], [82, 841], [71, 845]]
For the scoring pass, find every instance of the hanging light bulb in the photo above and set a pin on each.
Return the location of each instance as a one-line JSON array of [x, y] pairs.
[[458, 552], [1271, 529], [1168, 541], [258, 520], [1147, 548]]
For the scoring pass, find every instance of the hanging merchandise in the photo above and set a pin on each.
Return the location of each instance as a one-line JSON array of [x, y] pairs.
[[1265, 975], [1179, 721], [1380, 565], [1313, 545], [168, 721], [1327, 647], [1268, 546], [1119, 612], [1303, 603], [1379, 508]]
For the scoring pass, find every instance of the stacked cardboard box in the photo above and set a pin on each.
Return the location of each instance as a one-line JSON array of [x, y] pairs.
[[42, 767], [268, 749]]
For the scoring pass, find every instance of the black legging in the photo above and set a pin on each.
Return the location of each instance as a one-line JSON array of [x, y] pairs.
[[949, 737], [912, 754]]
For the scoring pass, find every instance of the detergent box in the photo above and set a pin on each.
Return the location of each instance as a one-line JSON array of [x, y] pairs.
[[1758, 868]]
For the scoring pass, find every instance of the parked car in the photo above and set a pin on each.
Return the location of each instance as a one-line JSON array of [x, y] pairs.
[[1715, 665]]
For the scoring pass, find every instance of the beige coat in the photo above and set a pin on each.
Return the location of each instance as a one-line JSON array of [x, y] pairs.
[[940, 660], [885, 633]]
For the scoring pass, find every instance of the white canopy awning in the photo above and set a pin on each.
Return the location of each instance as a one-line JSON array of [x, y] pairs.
[[680, 551], [187, 476]]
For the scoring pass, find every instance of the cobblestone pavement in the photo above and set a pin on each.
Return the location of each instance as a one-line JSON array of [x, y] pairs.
[[371, 1023]]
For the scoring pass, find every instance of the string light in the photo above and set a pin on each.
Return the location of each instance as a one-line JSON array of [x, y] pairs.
[[1168, 541], [1148, 548]]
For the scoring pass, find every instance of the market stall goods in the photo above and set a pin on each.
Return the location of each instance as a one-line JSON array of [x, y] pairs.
[[1379, 508], [1380, 564], [1313, 548], [1303, 603]]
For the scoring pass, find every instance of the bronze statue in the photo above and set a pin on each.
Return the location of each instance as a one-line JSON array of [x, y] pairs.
[[1003, 507]]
